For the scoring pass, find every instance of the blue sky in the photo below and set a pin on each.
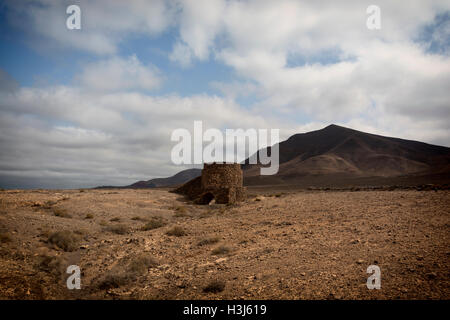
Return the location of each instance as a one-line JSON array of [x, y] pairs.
[[96, 106]]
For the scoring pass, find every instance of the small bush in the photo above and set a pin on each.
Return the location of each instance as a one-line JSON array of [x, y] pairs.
[[115, 219], [214, 286], [206, 214], [5, 237], [48, 204], [154, 223], [89, 216], [137, 218], [141, 264], [221, 250], [114, 279], [180, 209], [180, 214], [118, 229], [176, 231], [206, 241], [65, 240], [58, 212], [81, 232], [50, 264]]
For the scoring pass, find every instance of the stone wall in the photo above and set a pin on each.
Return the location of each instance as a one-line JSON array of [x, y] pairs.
[[220, 181]]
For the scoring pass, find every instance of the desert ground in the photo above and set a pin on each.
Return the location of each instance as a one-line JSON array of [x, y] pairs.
[[153, 244]]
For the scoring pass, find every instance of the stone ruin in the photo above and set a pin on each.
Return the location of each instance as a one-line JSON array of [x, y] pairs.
[[222, 182]]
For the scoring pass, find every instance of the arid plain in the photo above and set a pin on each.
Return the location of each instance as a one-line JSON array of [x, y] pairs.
[[153, 244]]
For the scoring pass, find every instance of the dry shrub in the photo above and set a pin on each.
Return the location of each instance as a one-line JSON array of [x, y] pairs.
[[142, 263], [5, 237], [215, 286], [176, 231], [115, 219], [137, 218], [120, 276], [50, 264], [154, 223], [180, 215], [206, 214], [206, 241], [66, 240], [89, 216], [180, 209], [58, 212], [114, 279], [221, 250], [118, 229], [48, 204]]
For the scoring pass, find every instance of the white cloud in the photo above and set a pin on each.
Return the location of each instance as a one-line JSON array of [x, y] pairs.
[[117, 74], [182, 54], [306, 64], [103, 24]]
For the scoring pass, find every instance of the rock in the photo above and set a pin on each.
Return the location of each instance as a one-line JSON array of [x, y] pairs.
[[359, 261], [221, 260]]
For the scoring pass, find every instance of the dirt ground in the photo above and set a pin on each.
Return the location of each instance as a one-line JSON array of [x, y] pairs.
[[300, 245]]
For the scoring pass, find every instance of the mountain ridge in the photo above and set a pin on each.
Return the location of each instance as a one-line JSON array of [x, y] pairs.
[[337, 154]]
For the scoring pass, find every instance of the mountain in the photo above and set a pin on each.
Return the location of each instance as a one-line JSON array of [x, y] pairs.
[[338, 156], [179, 178], [336, 153]]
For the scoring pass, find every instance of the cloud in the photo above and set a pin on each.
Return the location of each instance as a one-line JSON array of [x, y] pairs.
[[182, 54], [118, 74], [7, 82], [103, 25], [65, 136], [301, 64]]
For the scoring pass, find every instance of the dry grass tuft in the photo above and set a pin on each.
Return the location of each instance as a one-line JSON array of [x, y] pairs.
[[215, 286], [50, 264], [221, 250], [118, 229], [115, 279], [137, 218], [66, 240], [206, 241], [154, 223], [62, 213], [5, 237], [142, 263], [176, 231]]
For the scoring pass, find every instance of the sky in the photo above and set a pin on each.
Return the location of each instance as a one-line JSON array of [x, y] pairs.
[[97, 106]]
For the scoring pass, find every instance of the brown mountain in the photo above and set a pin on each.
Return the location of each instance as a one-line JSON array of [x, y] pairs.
[[335, 154], [179, 178]]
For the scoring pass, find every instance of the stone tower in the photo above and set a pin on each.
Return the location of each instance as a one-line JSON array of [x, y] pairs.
[[220, 181]]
